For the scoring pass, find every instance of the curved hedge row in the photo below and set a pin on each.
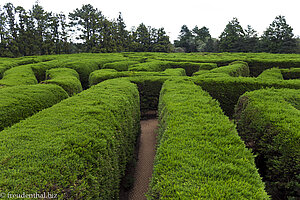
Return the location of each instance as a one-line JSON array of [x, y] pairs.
[[235, 69], [20, 102], [67, 78], [227, 90], [158, 65], [269, 122], [105, 74], [273, 73], [200, 155], [120, 65], [292, 73], [20, 75], [77, 149]]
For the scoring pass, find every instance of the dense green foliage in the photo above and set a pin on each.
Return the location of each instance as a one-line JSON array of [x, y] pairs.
[[75, 125], [38, 32], [105, 74], [273, 73], [227, 90], [269, 123], [199, 154], [120, 65], [234, 69], [67, 78], [20, 75], [20, 102], [292, 73], [278, 38], [77, 149]]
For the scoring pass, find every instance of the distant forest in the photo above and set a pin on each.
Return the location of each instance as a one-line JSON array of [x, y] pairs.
[[39, 32]]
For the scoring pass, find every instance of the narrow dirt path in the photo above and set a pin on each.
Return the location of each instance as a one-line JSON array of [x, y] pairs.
[[144, 165]]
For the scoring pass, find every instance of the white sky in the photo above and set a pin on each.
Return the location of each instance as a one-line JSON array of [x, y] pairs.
[[173, 14]]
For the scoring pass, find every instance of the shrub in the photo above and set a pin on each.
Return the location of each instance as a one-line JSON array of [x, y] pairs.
[[105, 74], [292, 73], [268, 121], [199, 153], [77, 149], [227, 90], [273, 73], [235, 69], [20, 102], [20, 75], [120, 65], [67, 78], [157, 65]]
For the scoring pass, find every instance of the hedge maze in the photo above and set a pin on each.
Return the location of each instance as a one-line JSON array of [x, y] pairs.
[[229, 124]]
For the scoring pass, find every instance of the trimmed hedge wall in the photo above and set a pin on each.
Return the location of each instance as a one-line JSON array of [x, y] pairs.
[[105, 74], [227, 90], [292, 73], [200, 155], [235, 69], [67, 78], [21, 75], [120, 65], [20, 102], [269, 122], [156, 66], [5, 66], [77, 149], [273, 73]]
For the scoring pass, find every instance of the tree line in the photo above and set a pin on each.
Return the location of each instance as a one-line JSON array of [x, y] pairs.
[[277, 38], [86, 29]]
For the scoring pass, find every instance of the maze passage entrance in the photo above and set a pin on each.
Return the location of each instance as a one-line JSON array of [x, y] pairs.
[[144, 164]]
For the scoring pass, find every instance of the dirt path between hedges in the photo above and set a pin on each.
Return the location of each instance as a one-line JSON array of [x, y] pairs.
[[144, 165]]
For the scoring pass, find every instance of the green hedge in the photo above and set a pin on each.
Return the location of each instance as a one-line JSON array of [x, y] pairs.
[[20, 102], [199, 154], [258, 65], [77, 149], [273, 73], [67, 78], [20, 75], [40, 69], [120, 65], [105, 74], [235, 69], [5, 66], [82, 66], [292, 73], [268, 121], [227, 90], [156, 66]]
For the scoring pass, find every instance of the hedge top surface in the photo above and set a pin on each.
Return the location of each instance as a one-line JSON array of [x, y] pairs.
[[200, 155], [20, 102], [78, 148]]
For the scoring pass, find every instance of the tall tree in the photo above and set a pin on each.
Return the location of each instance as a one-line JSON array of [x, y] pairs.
[[251, 40], [86, 20], [231, 39], [202, 38], [161, 42], [121, 34], [40, 20], [279, 37], [143, 38], [186, 40]]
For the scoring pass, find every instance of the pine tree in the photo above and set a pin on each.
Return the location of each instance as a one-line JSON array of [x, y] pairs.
[[279, 37], [232, 37]]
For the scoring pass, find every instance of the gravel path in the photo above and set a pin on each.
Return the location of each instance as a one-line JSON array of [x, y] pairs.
[[144, 165]]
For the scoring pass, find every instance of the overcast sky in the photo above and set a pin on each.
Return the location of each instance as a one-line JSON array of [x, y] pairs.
[[173, 14]]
